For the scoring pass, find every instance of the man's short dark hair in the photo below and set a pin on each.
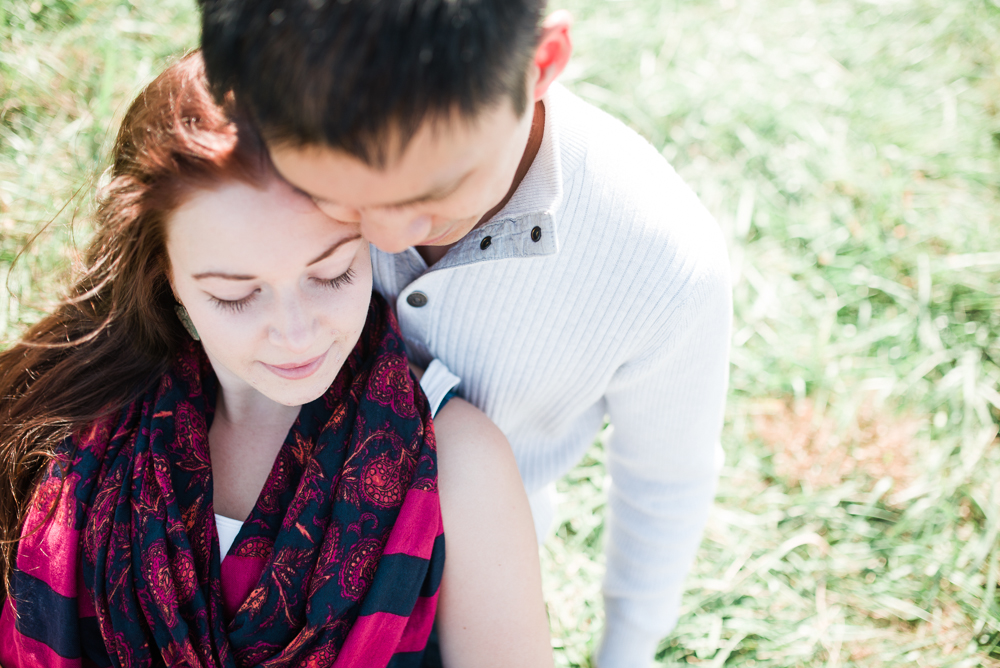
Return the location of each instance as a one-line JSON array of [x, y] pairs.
[[357, 75]]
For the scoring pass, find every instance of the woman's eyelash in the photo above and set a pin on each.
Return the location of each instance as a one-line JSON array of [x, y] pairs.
[[235, 305], [340, 281]]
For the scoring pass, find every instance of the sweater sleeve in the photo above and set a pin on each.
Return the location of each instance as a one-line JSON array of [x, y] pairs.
[[666, 408]]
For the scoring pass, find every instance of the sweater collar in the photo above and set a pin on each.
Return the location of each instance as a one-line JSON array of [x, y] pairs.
[[541, 190], [526, 226]]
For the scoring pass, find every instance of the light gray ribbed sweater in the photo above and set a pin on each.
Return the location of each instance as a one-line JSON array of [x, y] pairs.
[[604, 290]]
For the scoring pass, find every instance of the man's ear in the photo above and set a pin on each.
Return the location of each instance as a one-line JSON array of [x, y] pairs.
[[553, 51]]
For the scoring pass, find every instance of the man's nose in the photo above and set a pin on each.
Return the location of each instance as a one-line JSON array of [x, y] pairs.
[[394, 233]]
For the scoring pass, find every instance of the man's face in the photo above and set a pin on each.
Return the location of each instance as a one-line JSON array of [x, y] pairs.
[[452, 172]]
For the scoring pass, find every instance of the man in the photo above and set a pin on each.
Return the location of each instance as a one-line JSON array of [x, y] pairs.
[[538, 248]]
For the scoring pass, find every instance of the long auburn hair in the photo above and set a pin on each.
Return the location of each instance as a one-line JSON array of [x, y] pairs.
[[117, 330]]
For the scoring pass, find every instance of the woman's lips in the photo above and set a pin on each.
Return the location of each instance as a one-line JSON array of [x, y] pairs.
[[297, 370]]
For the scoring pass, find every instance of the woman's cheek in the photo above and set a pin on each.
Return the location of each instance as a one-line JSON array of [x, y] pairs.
[[233, 336], [360, 299]]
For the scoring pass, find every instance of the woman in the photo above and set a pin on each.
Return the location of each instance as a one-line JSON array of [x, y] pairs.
[[223, 371]]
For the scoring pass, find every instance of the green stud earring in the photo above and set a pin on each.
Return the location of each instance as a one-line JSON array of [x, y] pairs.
[[185, 318]]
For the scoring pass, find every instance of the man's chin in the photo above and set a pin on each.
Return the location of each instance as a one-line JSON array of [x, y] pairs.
[[454, 233], [440, 240]]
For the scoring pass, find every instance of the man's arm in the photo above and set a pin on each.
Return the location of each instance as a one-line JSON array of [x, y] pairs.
[[666, 406]]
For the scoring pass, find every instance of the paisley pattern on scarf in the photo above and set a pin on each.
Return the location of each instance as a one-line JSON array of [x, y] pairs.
[[338, 564]]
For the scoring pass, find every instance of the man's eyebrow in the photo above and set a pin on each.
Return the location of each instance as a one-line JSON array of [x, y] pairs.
[[438, 192], [315, 198], [329, 251]]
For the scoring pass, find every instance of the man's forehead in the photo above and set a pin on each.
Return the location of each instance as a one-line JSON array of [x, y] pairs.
[[334, 177], [398, 143], [438, 156], [452, 127]]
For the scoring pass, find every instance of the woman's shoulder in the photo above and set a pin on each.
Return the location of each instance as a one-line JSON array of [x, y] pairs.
[[478, 480], [475, 460], [458, 421], [491, 612]]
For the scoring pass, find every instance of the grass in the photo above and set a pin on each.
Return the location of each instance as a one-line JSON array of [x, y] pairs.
[[851, 151], [67, 72]]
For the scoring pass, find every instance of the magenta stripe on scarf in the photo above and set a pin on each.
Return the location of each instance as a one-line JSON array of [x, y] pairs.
[[375, 638], [20, 650], [372, 641], [51, 553], [421, 510]]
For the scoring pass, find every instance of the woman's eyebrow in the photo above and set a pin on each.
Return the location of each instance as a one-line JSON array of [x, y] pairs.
[[247, 277], [329, 251], [222, 274]]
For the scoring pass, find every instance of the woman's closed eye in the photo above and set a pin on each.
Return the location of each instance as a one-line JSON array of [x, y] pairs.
[[234, 305], [237, 305], [339, 281]]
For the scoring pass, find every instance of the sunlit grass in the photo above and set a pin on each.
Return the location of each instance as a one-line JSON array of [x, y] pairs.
[[851, 152], [67, 71]]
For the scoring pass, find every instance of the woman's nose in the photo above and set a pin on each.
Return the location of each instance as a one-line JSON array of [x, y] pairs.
[[293, 328]]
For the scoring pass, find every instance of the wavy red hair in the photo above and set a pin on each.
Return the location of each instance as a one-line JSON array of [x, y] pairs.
[[116, 331]]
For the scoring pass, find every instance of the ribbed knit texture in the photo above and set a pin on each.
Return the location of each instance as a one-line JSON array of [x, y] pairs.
[[604, 291]]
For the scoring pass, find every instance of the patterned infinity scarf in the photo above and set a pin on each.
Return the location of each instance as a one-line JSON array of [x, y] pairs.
[[337, 565]]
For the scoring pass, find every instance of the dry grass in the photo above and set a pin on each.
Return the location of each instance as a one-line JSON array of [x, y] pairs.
[[811, 451]]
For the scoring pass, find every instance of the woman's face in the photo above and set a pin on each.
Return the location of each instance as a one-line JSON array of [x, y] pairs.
[[278, 291]]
